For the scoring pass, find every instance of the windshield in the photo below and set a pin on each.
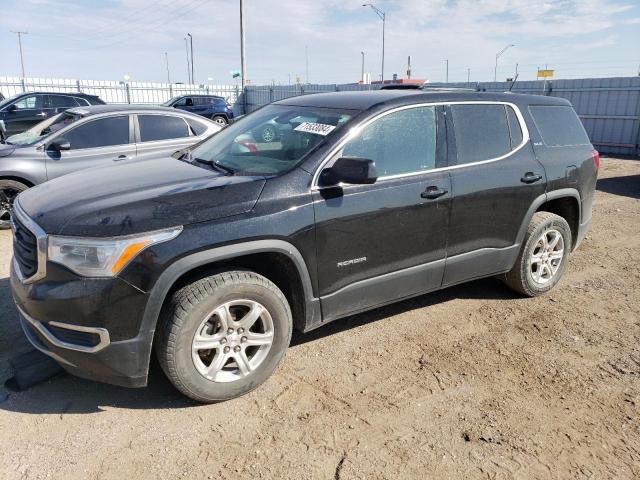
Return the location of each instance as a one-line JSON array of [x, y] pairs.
[[44, 128], [169, 102], [271, 140]]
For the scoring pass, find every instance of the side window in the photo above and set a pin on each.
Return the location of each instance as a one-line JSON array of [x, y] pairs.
[[400, 142], [481, 132], [104, 132], [559, 125], [514, 128], [32, 101], [181, 102], [59, 101], [161, 127], [83, 102], [197, 127]]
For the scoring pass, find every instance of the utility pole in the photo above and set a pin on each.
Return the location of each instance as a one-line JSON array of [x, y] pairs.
[[20, 47], [166, 57], [186, 46], [383, 17], [193, 77], [362, 70], [306, 63], [447, 74], [468, 77], [409, 67], [243, 47]]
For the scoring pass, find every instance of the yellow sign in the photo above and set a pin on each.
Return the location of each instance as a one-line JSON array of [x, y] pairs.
[[545, 73]]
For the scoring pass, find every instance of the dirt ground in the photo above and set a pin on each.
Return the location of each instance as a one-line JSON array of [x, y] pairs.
[[470, 382]]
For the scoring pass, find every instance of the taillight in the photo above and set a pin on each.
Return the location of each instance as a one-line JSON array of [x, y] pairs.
[[596, 158]]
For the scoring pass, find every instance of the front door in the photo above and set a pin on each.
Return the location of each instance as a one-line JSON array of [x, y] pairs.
[[24, 114], [100, 142], [386, 241]]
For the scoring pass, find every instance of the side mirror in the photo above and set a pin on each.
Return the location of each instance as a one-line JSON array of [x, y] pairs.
[[59, 145], [12, 108], [358, 171]]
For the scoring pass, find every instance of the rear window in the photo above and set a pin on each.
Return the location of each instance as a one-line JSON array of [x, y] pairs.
[[482, 132], [559, 125]]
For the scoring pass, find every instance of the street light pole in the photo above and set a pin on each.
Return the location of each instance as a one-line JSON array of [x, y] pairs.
[[186, 46], [193, 77], [243, 48], [20, 47], [447, 72], [166, 57], [362, 71], [383, 17], [495, 69]]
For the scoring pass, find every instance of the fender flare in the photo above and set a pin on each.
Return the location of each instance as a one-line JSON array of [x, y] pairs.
[[167, 279], [546, 197]]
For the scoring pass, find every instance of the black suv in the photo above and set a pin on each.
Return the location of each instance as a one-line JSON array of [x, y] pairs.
[[211, 258], [23, 111]]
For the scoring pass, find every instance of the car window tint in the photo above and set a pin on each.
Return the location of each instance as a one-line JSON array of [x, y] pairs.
[[559, 125], [161, 127], [514, 128], [197, 127], [31, 101], [481, 132], [82, 101], [400, 142], [59, 101], [103, 132]]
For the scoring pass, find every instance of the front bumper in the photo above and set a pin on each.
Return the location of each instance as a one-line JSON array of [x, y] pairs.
[[91, 327]]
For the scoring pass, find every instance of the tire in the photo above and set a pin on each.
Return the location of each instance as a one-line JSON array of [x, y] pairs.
[[9, 190], [269, 134], [200, 308], [220, 120], [542, 259]]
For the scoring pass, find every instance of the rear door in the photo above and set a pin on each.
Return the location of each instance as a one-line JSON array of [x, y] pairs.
[[161, 135], [382, 242], [94, 143], [495, 178], [54, 104]]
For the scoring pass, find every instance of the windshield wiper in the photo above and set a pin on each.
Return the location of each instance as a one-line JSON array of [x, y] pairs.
[[217, 166]]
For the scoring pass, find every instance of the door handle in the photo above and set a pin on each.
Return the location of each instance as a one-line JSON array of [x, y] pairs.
[[41, 114], [120, 158], [434, 192], [531, 177]]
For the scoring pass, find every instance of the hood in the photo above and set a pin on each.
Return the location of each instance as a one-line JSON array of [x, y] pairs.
[[123, 199]]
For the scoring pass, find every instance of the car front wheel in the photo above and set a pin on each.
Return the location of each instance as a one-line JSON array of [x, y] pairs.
[[9, 190], [220, 120], [543, 257], [223, 335]]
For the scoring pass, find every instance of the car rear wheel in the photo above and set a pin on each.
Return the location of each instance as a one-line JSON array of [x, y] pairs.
[[543, 257], [9, 190], [224, 335], [220, 120]]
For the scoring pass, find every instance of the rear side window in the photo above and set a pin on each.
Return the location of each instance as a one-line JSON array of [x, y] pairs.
[[197, 127], [559, 125], [105, 132], [400, 142], [161, 127], [514, 128], [482, 132], [59, 101]]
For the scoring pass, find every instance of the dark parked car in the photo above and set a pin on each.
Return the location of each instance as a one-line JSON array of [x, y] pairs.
[[210, 106], [23, 111], [84, 137], [214, 257]]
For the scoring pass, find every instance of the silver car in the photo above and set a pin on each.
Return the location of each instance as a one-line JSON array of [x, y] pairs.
[[92, 136]]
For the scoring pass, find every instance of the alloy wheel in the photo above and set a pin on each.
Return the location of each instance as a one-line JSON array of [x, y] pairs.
[[233, 341], [546, 256], [7, 197]]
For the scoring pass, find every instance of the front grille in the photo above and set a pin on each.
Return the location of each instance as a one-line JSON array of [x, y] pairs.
[[25, 248]]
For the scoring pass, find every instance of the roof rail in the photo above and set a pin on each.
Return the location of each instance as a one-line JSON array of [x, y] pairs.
[[409, 86]]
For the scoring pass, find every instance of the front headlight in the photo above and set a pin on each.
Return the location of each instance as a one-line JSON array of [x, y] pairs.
[[103, 257]]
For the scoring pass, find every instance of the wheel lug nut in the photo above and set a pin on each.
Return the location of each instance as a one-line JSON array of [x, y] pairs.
[[230, 331], [241, 330], [223, 341], [236, 348], [226, 349], [243, 339]]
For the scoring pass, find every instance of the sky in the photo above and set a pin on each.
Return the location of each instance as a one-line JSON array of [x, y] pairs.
[[108, 39]]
